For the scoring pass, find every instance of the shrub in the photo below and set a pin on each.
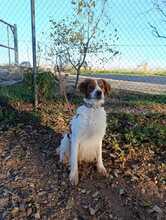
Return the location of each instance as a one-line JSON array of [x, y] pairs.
[[47, 84]]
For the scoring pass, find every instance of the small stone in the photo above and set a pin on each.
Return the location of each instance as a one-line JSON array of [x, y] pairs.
[[41, 193], [92, 211], [134, 178], [45, 201], [32, 185], [95, 194], [116, 173], [111, 178], [85, 206], [121, 192], [29, 211], [111, 216], [83, 191], [135, 166], [143, 191], [112, 155], [37, 215], [8, 157], [156, 209]]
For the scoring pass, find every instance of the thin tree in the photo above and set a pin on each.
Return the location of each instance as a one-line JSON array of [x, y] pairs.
[[83, 34]]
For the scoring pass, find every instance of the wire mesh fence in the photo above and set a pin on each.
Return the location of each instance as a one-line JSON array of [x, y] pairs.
[[121, 32]]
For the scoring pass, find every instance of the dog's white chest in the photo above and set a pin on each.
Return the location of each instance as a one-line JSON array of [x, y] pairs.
[[93, 124], [89, 126]]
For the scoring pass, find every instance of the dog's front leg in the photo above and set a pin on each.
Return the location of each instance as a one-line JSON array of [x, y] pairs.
[[74, 161], [100, 166]]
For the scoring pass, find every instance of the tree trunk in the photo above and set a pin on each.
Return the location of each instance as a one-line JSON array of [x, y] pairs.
[[77, 79], [60, 81], [75, 85]]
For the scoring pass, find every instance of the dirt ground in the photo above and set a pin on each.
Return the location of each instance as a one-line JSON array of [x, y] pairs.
[[34, 185]]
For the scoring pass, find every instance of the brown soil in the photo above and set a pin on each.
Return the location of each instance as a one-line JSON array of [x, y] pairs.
[[34, 185]]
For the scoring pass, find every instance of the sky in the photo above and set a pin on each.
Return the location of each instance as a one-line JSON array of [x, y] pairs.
[[137, 45]]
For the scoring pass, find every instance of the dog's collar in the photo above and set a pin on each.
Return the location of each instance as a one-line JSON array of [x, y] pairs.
[[89, 105]]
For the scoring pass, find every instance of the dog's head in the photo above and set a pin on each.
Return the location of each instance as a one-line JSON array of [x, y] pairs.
[[94, 89]]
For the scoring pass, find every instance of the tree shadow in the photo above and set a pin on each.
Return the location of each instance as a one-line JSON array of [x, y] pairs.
[[12, 118], [28, 155]]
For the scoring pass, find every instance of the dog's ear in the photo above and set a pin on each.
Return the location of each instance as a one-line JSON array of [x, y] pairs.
[[107, 87], [83, 86]]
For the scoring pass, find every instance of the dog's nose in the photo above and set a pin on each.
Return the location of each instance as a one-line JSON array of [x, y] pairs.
[[98, 94]]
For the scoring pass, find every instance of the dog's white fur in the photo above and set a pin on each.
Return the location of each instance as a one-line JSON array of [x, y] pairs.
[[87, 131]]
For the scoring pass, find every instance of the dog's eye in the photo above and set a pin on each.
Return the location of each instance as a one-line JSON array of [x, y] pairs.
[[90, 87], [101, 85]]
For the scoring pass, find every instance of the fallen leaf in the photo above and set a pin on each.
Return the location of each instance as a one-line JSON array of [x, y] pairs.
[[146, 204], [15, 211]]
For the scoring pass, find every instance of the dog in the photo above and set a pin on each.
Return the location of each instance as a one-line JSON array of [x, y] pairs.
[[87, 129]]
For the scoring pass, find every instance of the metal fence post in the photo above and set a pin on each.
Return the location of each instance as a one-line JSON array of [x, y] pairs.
[[34, 70], [8, 45], [15, 44]]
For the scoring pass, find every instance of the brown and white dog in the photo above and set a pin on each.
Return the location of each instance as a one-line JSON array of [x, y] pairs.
[[87, 129]]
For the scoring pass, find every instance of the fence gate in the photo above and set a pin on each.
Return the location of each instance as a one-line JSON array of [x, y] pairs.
[[13, 29], [10, 72]]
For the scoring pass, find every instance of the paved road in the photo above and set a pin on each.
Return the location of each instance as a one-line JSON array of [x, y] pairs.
[[150, 87], [146, 79]]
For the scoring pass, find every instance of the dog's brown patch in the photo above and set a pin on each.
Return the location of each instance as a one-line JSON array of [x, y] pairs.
[[104, 85], [87, 86]]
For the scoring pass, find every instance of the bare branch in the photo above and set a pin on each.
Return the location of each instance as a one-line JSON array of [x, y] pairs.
[[63, 86], [160, 9], [156, 32], [69, 57], [85, 53], [98, 21]]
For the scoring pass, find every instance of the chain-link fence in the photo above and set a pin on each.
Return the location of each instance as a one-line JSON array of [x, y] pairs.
[[122, 34]]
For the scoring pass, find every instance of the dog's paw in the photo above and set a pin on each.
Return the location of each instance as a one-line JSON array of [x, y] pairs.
[[102, 171], [74, 178], [58, 150], [61, 156]]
